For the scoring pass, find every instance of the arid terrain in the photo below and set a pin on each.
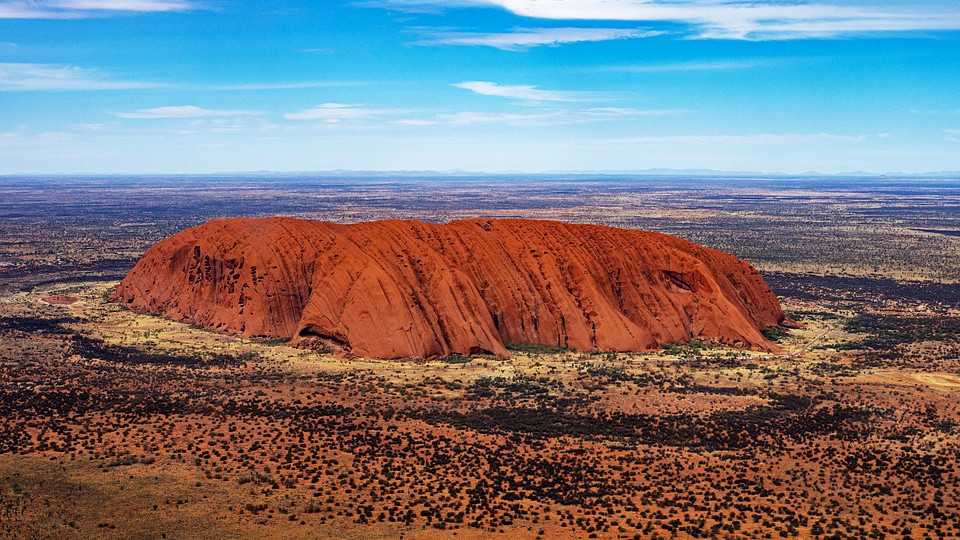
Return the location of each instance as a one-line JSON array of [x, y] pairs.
[[116, 424]]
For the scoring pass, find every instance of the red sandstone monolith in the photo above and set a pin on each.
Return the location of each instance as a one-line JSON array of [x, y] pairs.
[[395, 289]]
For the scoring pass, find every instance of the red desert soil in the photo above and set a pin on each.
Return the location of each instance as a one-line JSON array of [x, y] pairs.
[[395, 289], [61, 299]]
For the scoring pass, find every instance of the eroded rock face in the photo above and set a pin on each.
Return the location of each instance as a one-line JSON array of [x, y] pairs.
[[395, 289]]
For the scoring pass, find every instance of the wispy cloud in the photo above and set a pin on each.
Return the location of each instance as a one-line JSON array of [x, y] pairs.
[[552, 117], [470, 117], [525, 38], [315, 50], [708, 65], [414, 6], [340, 112], [95, 126], [284, 85], [737, 19], [228, 124], [952, 135], [119, 5], [521, 92], [753, 139], [181, 111], [15, 77], [69, 9], [935, 112]]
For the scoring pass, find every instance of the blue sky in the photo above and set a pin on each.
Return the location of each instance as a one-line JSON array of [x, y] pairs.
[[195, 86]]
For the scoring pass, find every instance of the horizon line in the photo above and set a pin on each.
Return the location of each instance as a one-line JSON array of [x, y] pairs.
[[654, 171]]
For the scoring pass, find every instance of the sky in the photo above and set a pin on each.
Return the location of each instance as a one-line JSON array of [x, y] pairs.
[[203, 86]]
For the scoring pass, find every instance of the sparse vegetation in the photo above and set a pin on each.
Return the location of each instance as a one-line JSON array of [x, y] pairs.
[[690, 348], [119, 425], [775, 333], [534, 348], [455, 359]]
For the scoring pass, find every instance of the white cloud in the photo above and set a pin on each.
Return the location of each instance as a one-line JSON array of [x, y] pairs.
[[284, 86], [414, 6], [525, 38], [54, 77], [66, 9], [339, 112], [414, 122], [494, 118], [182, 111], [619, 112], [941, 112], [553, 117], [738, 19], [755, 139], [89, 126], [229, 124], [711, 65], [121, 5], [522, 92]]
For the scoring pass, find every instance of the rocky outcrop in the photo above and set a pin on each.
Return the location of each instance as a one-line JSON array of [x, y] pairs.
[[394, 289]]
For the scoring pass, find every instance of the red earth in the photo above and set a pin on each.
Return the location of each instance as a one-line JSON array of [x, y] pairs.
[[61, 299]]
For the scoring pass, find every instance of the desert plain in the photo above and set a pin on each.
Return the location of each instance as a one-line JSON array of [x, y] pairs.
[[118, 424]]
